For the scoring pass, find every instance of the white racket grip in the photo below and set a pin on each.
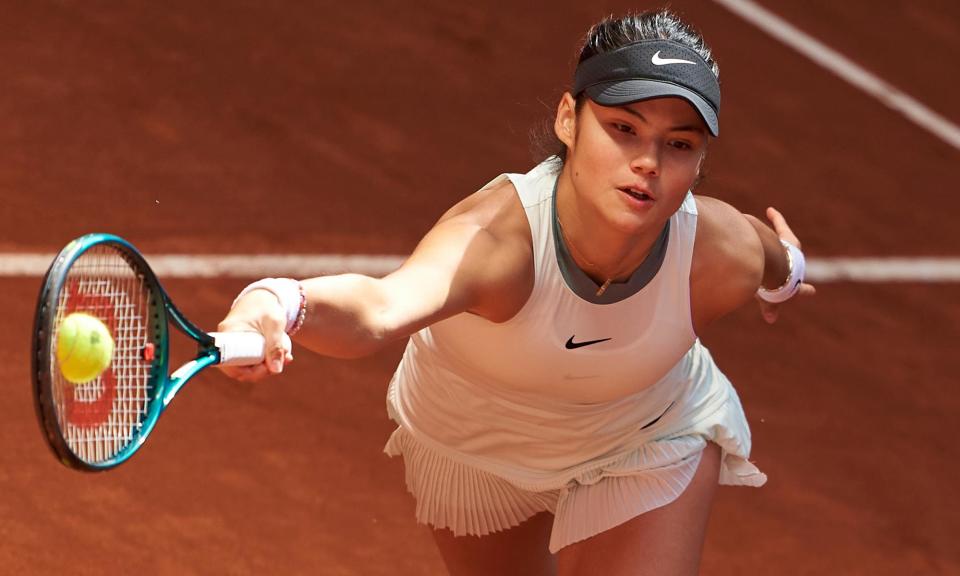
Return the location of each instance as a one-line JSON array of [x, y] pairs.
[[243, 348]]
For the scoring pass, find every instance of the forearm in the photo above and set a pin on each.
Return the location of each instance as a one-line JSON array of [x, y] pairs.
[[776, 267], [341, 316], [351, 315]]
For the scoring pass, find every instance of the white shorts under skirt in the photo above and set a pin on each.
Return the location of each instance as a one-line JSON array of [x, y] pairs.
[[467, 500]]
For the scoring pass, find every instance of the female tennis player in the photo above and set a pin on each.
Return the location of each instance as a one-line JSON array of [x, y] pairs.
[[556, 411]]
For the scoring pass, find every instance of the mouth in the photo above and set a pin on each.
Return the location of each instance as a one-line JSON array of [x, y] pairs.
[[637, 194]]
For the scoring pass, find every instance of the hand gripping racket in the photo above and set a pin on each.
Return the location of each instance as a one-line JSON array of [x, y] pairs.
[[99, 424]]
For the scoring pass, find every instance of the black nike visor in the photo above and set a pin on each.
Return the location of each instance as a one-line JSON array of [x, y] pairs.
[[651, 69]]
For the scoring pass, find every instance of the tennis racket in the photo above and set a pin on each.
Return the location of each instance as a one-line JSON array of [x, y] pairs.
[[98, 425]]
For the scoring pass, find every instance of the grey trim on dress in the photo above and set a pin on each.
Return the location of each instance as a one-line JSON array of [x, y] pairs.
[[584, 286]]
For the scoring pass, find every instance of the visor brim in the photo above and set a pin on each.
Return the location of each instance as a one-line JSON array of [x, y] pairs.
[[622, 92]]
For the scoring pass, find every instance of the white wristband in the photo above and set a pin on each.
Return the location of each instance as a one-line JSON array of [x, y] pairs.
[[287, 290], [798, 268]]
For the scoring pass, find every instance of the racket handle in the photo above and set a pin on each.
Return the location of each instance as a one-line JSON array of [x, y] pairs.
[[242, 348]]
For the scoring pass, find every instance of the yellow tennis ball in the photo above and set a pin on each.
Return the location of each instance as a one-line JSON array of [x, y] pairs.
[[84, 347]]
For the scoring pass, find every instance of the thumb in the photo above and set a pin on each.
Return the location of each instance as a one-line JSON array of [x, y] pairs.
[[276, 350]]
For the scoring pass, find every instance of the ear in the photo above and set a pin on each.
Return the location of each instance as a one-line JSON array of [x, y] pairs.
[[699, 177], [565, 124]]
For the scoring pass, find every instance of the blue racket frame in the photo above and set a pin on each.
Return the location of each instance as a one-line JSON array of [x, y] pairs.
[[162, 387]]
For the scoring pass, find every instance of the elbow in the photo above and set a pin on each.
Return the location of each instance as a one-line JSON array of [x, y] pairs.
[[363, 338], [350, 349], [365, 343], [345, 318], [372, 332]]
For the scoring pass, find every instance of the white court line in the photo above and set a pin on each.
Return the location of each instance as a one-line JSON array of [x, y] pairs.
[[883, 269], [306, 265], [835, 62], [228, 265]]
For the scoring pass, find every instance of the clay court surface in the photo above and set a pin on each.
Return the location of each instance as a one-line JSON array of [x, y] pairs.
[[327, 127]]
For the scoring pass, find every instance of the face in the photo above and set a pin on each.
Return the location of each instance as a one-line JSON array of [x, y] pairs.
[[631, 166]]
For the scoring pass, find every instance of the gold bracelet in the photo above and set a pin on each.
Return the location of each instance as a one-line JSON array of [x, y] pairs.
[[789, 270]]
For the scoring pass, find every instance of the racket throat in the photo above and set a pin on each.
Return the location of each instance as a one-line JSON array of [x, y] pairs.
[[184, 373]]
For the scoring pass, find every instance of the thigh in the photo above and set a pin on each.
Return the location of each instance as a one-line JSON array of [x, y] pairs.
[[521, 550], [666, 541]]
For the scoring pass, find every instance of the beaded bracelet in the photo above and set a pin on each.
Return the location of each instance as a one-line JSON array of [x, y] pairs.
[[301, 313], [291, 295]]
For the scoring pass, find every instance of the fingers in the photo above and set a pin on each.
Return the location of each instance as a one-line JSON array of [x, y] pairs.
[[777, 219], [771, 311], [258, 311], [768, 310], [246, 373], [770, 316], [781, 227], [276, 356]]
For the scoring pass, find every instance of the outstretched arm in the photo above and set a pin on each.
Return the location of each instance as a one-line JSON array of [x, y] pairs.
[[469, 262], [734, 256]]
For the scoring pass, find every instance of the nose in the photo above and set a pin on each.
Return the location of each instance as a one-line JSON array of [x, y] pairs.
[[646, 159]]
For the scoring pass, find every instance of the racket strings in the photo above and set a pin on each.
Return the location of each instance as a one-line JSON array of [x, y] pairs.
[[101, 418]]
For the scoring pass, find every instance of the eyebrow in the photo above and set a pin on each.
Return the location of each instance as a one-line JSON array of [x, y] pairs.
[[681, 128]]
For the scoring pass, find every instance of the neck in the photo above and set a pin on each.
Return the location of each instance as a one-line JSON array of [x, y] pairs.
[[604, 253]]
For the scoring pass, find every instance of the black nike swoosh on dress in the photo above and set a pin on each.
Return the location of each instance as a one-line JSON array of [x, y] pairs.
[[572, 345]]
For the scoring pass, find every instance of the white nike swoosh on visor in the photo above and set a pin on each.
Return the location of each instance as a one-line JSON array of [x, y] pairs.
[[658, 61]]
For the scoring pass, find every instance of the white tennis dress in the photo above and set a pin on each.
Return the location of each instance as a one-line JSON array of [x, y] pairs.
[[597, 412]]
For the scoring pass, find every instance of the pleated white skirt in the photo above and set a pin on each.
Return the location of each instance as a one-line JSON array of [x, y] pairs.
[[479, 462], [466, 500]]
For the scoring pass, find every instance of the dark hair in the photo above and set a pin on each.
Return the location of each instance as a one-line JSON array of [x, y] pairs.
[[612, 33]]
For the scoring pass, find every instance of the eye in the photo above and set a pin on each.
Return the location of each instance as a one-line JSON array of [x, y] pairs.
[[680, 144], [625, 128]]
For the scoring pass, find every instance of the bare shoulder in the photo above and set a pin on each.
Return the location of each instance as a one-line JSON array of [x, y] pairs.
[[727, 261], [489, 231], [496, 208]]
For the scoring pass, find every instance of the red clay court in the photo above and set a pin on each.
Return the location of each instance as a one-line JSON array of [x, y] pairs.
[[348, 128]]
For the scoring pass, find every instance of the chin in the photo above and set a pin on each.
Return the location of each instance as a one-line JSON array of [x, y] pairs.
[[631, 223]]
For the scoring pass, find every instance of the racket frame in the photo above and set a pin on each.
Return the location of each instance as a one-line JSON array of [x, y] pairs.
[[163, 387]]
